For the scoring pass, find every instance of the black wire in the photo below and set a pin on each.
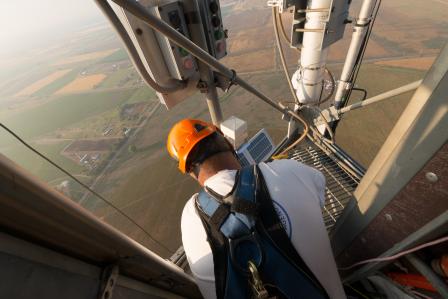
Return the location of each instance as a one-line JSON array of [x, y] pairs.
[[81, 183], [361, 53], [364, 95], [357, 66]]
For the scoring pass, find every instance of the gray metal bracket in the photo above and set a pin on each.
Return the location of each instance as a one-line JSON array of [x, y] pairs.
[[109, 278]]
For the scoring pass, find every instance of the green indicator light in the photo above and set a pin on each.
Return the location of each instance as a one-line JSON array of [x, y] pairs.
[[183, 52], [218, 34]]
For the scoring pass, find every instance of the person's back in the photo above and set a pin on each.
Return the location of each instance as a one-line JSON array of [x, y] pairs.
[[297, 192], [291, 196]]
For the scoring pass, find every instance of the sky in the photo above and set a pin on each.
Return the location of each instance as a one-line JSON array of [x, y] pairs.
[[24, 22]]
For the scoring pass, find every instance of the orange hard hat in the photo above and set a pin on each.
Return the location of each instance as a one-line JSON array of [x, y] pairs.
[[184, 136]]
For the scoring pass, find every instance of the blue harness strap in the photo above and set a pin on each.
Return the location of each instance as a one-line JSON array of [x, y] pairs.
[[236, 218]]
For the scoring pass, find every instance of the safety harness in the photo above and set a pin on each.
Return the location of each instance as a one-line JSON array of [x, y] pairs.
[[252, 254]]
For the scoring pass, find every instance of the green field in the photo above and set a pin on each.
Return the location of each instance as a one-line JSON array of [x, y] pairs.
[[142, 94], [64, 111], [54, 86], [116, 56], [117, 78], [37, 165]]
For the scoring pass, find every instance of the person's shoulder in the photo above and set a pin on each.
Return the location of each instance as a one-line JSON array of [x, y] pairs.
[[291, 165], [285, 166], [189, 208]]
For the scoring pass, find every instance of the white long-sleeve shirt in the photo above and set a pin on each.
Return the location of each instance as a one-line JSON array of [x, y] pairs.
[[298, 194]]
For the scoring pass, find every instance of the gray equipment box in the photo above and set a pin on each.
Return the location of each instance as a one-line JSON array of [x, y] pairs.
[[185, 64], [213, 27]]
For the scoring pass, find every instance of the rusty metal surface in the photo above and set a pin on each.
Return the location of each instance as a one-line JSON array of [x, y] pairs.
[[419, 202]]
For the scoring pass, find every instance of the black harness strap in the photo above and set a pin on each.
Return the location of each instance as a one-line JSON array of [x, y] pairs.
[[219, 216], [244, 207], [220, 250]]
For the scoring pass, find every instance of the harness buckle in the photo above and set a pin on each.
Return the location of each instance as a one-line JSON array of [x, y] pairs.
[[256, 257], [255, 282]]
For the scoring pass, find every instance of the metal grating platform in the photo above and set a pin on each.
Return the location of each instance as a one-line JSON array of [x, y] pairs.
[[340, 182]]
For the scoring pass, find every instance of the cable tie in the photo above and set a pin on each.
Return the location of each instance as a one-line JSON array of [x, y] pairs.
[[232, 80]]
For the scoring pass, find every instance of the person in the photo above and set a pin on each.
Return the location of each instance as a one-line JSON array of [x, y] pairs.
[[296, 191]]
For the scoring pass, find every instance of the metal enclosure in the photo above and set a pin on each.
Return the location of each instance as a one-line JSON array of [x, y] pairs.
[[184, 65], [147, 43], [334, 25], [213, 27]]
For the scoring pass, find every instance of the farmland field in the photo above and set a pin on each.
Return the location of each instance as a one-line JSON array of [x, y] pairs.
[[51, 88], [118, 78], [35, 164], [85, 57], [31, 89], [81, 84], [80, 101], [63, 111], [421, 63]]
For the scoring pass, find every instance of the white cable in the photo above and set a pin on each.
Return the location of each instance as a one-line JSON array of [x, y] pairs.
[[398, 255]]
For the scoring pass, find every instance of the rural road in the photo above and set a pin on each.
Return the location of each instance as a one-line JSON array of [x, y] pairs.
[[117, 154]]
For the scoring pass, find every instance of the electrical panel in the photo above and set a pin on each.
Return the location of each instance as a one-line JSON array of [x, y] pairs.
[[198, 20], [162, 60], [213, 27], [185, 64]]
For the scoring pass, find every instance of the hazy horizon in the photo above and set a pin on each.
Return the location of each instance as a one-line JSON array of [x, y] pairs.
[[29, 24]]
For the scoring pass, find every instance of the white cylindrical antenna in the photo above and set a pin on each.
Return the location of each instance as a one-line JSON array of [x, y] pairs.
[[308, 79]]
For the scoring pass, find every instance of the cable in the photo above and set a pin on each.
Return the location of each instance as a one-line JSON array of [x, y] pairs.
[[357, 65], [275, 16], [398, 255], [81, 183], [304, 134], [282, 56], [364, 96], [361, 53], [119, 28], [283, 31], [358, 292]]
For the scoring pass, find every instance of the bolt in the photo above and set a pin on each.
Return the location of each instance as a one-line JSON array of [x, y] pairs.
[[431, 177], [388, 217], [139, 31]]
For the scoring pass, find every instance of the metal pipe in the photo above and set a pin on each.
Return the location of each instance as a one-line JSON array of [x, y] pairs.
[[359, 32], [381, 97], [309, 30], [174, 85], [140, 12], [308, 79], [313, 10], [427, 272], [213, 101]]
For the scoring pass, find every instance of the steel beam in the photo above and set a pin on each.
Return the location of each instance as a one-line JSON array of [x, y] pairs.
[[332, 114], [416, 138], [434, 229]]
